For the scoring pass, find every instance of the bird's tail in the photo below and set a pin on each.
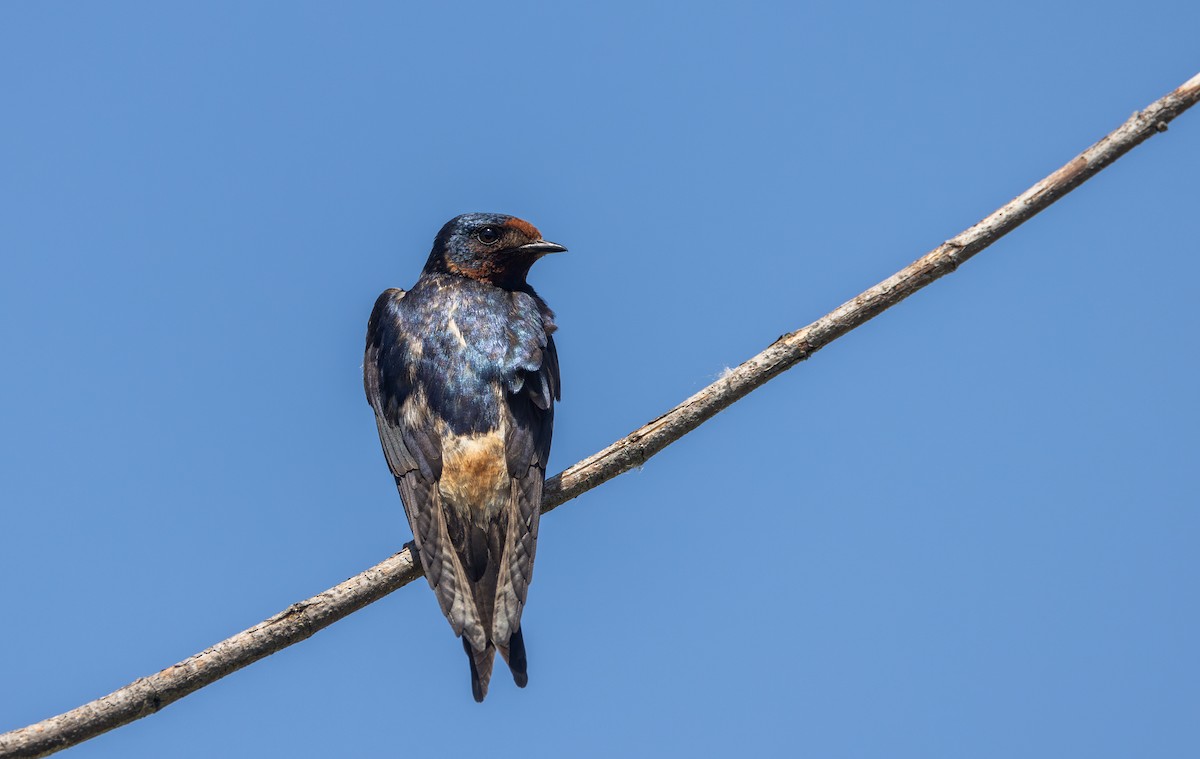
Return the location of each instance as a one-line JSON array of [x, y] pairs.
[[514, 656], [482, 661], [481, 668]]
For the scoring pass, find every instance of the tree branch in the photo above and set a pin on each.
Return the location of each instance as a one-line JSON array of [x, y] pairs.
[[149, 694]]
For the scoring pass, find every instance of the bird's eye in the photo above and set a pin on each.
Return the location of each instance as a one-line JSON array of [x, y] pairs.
[[488, 235]]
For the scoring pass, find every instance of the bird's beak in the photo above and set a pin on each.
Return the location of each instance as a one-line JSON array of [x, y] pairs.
[[542, 247]]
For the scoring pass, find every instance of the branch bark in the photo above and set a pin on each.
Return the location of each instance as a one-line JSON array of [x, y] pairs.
[[300, 620]]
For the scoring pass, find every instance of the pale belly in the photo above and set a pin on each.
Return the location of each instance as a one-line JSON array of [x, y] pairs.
[[475, 476]]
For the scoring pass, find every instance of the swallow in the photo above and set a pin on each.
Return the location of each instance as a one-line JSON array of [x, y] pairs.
[[462, 373]]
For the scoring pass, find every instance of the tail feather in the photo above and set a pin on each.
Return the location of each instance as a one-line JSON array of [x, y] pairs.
[[514, 656], [481, 668]]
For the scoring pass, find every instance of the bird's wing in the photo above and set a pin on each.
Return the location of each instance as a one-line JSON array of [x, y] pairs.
[[527, 446], [413, 448], [389, 382]]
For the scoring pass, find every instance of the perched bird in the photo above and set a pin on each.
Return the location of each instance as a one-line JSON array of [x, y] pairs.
[[462, 373]]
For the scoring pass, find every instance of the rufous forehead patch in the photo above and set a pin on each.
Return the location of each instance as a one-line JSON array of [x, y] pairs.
[[524, 228]]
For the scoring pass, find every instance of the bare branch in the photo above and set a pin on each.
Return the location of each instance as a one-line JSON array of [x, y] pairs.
[[149, 694]]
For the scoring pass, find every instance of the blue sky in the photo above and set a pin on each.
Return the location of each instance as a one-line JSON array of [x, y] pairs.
[[968, 528]]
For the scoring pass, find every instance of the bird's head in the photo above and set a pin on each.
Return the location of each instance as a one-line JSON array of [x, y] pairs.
[[489, 247]]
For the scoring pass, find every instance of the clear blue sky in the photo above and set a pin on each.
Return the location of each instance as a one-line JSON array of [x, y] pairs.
[[969, 528]]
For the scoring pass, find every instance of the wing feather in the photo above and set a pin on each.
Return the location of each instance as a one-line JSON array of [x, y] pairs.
[[412, 448], [528, 447]]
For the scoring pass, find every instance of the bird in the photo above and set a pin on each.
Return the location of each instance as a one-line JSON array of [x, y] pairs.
[[462, 373]]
